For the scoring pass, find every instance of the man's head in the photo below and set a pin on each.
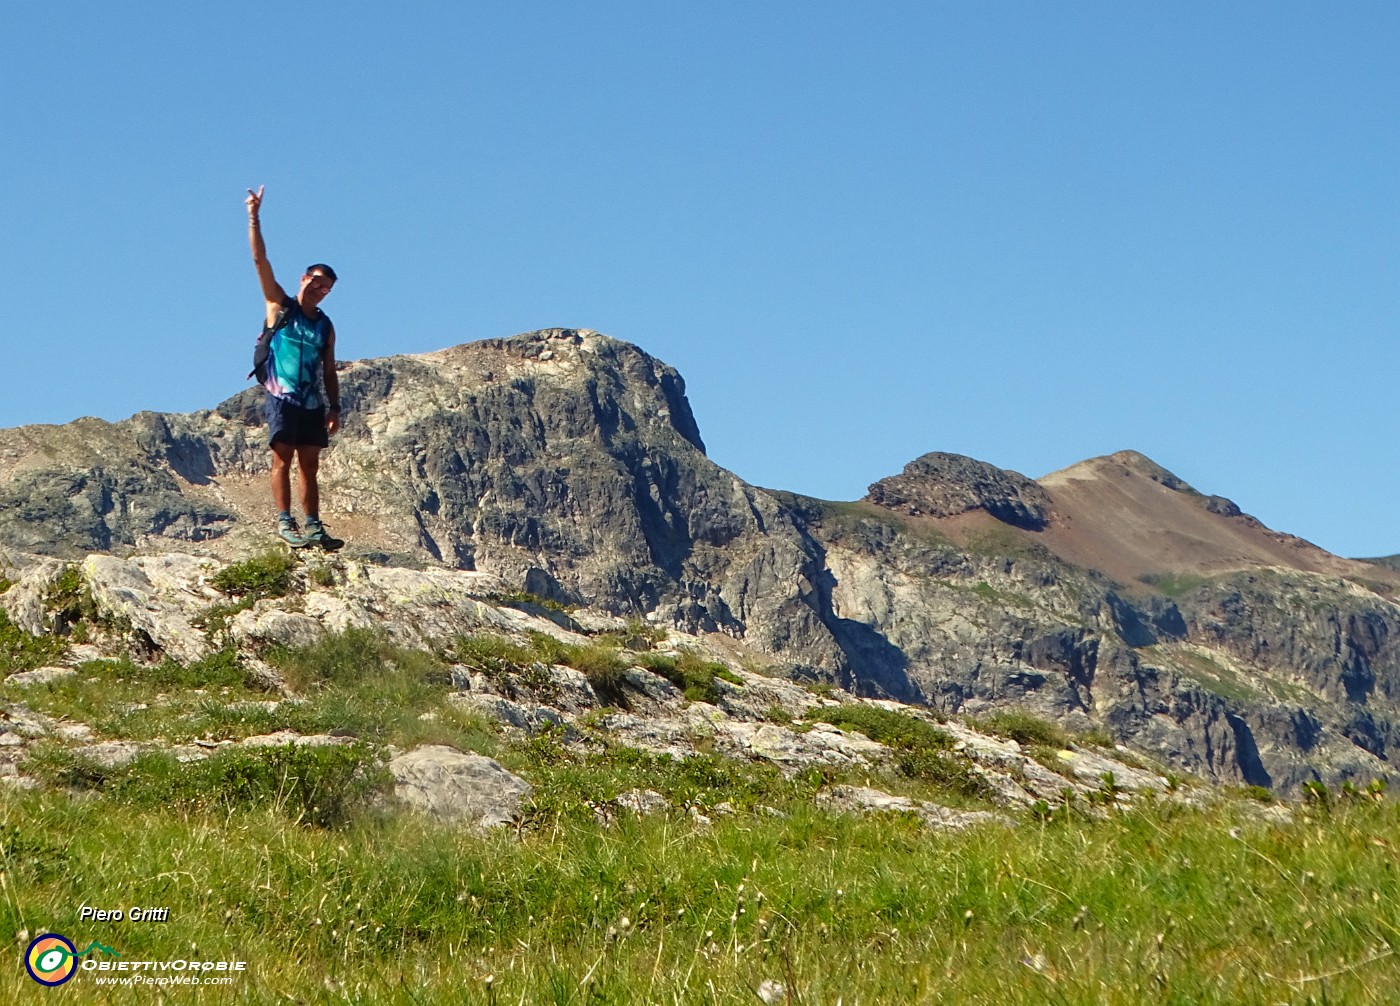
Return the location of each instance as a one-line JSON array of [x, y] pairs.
[[315, 284]]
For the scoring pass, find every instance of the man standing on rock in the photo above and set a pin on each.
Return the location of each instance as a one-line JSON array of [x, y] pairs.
[[303, 393]]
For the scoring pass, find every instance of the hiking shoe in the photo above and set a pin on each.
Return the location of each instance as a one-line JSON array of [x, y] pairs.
[[316, 535], [288, 531]]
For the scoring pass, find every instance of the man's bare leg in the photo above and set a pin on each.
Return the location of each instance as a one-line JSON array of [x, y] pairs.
[[309, 461], [282, 476]]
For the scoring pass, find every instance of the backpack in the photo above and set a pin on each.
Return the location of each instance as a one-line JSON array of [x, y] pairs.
[[263, 348]]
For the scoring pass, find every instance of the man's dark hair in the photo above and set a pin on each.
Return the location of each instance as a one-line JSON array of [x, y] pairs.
[[324, 268]]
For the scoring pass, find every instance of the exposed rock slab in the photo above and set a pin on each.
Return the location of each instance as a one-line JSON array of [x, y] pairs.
[[41, 676], [863, 799], [461, 788]]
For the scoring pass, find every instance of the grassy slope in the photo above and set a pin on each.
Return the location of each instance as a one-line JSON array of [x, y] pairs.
[[1159, 904]]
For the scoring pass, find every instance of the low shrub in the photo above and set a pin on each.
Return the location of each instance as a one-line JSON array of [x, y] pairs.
[[321, 785], [267, 574], [356, 656], [893, 729], [1024, 728], [691, 673]]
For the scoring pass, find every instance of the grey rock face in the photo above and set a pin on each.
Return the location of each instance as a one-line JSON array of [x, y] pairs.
[[945, 485], [110, 486]]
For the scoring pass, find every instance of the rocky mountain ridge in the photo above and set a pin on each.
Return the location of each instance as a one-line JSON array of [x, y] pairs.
[[1109, 596]]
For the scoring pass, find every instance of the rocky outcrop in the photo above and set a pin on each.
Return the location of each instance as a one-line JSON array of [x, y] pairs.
[[945, 485]]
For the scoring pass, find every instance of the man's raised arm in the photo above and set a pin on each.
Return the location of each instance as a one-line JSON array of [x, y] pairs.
[[272, 290]]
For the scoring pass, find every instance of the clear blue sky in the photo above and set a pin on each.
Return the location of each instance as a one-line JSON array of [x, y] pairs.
[[1028, 232]]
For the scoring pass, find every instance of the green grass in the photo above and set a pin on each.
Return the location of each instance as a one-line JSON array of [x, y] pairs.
[[69, 598], [891, 728], [1213, 675], [1174, 584], [1158, 905], [355, 684], [522, 598], [987, 592], [19, 651], [321, 785], [604, 661], [869, 522], [922, 751], [571, 783], [1024, 729], [321, 573], [1004, 542], [691, 673], [271, 573], [356, 657]]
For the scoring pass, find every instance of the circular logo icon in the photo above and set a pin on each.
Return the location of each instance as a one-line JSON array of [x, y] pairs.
[[51, 959]]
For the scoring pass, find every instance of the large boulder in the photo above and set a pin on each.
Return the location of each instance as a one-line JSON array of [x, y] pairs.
[[468, 789]]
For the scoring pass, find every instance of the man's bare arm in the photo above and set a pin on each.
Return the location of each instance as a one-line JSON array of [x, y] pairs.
[[272, 290], [332, 382]]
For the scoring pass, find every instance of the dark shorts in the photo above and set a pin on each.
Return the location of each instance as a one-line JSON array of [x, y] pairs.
[[291, 424]]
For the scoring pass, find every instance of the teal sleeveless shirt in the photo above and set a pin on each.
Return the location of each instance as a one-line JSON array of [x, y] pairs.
[[294, 358]]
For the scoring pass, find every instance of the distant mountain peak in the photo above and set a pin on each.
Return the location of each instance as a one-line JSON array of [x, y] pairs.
[[1121, 463], [1128, 464]]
